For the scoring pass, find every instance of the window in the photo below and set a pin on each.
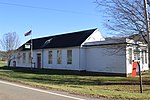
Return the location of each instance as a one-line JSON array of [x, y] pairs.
[[137, 55], [142, 55], [50, 56], [130, 55], [69, 56], [18, 61], [29, 61], [24, 57], [145, 57], [59, 56]]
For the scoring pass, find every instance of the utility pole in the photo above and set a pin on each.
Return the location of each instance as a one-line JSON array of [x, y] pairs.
[[147, 27], [140, 78]]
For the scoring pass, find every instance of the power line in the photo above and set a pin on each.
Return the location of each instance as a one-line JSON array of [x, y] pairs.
[[45, 8]]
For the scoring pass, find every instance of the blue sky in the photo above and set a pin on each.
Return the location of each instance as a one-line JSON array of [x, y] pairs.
[[49, 17]]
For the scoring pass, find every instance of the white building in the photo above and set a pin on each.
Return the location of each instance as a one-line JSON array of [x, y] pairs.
[[82, 51]]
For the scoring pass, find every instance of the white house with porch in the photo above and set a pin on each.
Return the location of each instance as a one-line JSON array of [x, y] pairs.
[[85, 50]]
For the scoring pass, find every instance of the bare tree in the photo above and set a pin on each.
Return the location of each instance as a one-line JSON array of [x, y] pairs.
[[9, 44], [124, 17]]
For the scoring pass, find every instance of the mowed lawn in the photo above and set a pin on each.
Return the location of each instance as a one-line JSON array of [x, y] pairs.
[[3, 63], [74, 82]]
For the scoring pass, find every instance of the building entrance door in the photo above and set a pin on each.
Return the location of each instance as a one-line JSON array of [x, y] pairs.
[[39, 60]]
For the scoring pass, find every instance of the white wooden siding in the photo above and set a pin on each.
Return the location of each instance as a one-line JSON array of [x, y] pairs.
[[98, 60]]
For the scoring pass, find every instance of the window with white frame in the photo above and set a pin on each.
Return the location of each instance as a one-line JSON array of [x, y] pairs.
[[130, 55], [145, 57], [24, 57], [142, 55], [69, 56], [18, 61], [29, 60], [59, 56], [50, 57], [137, 55]]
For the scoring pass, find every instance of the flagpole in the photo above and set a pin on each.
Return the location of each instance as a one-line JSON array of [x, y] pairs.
[[31, 44], [31, 51]]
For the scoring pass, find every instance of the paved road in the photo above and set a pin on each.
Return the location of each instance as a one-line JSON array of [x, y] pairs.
[[11, 91]]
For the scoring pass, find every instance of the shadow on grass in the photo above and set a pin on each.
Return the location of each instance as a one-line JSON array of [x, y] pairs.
[[61, 77], [79, 81], [58, 71], [40, 71]]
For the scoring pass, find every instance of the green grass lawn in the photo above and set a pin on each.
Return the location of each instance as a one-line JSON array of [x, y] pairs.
[[98, 86], [3, 63]]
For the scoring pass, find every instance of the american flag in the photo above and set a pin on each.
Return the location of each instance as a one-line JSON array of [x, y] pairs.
[[28, 33]]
